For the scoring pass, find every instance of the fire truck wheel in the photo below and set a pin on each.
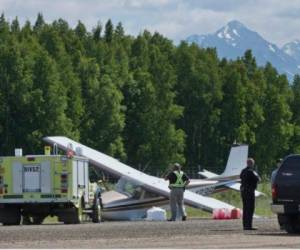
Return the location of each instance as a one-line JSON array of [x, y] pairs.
[[96, 215], [38, 219], [12, 217], [69, 216]]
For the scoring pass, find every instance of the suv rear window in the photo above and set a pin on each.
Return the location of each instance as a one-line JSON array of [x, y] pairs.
[[291, 164]]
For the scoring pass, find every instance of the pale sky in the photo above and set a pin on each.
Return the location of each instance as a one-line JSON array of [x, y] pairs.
[[278, 21]]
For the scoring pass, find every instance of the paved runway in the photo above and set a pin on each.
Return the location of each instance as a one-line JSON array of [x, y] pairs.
[[194, 233]]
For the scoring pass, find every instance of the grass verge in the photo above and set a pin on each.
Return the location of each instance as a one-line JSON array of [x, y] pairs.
[[262, 203]]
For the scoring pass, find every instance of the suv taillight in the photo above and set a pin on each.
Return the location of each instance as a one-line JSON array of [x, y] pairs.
[[274, 192]]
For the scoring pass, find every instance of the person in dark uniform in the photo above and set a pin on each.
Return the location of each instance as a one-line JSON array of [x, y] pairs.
[[178, 180], [249, 180], [274, 172]]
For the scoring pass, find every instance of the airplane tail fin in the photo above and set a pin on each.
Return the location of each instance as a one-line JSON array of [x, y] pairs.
[[237, 160]]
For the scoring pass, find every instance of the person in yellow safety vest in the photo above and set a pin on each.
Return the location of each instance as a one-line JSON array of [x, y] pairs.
[[178, 180]]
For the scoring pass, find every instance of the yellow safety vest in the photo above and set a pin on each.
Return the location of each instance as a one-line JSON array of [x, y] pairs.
[[179, 182]]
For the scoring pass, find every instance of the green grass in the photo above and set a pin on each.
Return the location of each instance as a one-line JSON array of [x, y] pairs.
[[262, 203], [196, 213]]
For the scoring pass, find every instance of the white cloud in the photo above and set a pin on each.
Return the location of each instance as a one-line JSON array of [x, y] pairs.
[[146, 3], [276, 20]]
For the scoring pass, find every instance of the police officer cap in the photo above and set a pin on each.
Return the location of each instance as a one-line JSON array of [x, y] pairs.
[[250, 162]]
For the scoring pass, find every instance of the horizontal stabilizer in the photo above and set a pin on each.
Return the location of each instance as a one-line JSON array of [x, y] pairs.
[[207, 174], [234, 185], [237, 186]]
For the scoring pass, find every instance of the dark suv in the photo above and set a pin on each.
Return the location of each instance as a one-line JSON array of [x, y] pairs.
[[286, 194]]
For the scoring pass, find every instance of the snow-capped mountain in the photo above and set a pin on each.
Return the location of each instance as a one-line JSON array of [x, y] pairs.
[[234, 39]]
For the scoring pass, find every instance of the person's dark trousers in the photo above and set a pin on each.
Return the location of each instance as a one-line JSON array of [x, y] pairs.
[[248, 207]]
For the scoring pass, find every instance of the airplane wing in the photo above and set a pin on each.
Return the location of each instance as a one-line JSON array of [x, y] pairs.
[[148, 182]]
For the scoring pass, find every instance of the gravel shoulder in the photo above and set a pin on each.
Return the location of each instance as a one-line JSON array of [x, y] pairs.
[[194, 233]]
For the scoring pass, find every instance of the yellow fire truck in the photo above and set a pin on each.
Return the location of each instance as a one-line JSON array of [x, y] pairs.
[[33, 187]]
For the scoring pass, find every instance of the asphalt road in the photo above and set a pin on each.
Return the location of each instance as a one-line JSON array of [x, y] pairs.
[[194, 233]]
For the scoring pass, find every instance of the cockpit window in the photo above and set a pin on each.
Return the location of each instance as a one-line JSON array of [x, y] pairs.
[[133, 188], [127, 186]]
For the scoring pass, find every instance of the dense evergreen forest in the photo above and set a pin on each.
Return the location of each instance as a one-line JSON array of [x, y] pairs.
[[140, 99]]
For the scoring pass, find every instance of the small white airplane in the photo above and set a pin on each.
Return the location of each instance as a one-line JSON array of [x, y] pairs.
[[136, 191]]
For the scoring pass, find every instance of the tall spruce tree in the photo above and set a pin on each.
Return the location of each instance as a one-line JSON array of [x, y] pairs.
[[151, 137], [275, 133], [295, 102], [109, 31], [15, 84], [199, 92]]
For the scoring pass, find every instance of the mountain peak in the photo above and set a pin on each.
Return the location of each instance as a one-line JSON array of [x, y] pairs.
[[234, 24], [233, 39], [231, 31]]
